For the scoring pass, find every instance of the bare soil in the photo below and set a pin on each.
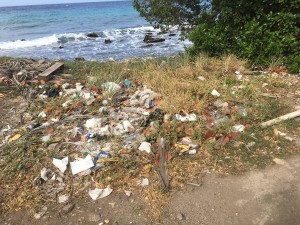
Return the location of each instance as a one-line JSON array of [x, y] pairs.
[[262, 197]]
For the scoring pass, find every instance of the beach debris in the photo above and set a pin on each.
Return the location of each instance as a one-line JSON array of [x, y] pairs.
[[82, 165], [44, 174], [48, 73], [110, 88], [215, 93], [100, 160], [98, 193], [144, 182], [220, 104], [127, 83], [14, 138], [281, 118], [145, 146], [63, 198], [238, 128], [41, 212], [46, 138], [144, 97], [61, 164], [33, 126], [42, 115], [190, 117], [93, 123]]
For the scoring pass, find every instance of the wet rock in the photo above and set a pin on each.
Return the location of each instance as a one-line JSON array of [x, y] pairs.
[[107, 41], [92, 35], [172, 35], [150, 39], [79, 59]]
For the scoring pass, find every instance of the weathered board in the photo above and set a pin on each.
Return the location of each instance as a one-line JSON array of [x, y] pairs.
[[46, 75]]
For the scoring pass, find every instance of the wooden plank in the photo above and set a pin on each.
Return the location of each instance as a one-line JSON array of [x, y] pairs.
[[47, 74]]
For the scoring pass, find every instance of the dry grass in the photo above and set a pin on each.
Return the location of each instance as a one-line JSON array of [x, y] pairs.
[[175, 79]]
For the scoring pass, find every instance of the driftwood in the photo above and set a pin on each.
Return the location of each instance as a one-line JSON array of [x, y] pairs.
[[162, 169], [281, 118]]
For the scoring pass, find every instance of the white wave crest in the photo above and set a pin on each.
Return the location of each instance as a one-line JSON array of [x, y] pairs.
[[29, 43]]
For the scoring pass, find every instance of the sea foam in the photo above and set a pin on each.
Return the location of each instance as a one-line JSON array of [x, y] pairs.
[[29, 43]]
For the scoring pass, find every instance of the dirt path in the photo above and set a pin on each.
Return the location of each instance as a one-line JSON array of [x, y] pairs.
[[266, 197], [262, 197]]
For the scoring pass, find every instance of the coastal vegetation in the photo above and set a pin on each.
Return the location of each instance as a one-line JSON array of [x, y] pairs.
[[259, 31]]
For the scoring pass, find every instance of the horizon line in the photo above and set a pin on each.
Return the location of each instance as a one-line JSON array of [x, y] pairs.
[[64, 3]]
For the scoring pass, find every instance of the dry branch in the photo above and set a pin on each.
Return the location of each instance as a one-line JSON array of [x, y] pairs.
[[281, 118]]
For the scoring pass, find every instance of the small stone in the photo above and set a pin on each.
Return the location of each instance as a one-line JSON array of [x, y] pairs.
[[106, 221], [93, 217], [278, 161], [180, 216], [68, 208]]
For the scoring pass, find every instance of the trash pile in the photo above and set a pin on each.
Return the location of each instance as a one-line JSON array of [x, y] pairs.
[[17, 72], [113, 130], [88, 129]]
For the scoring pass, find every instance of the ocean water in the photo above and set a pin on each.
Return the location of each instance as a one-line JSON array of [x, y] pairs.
[[59, 32]]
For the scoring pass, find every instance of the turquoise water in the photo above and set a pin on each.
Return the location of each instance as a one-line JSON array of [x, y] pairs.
[[59, 32]]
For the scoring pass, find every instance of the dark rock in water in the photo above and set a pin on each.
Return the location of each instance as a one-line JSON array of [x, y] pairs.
[[149, 33], [150, 39], [60, 47], [107, 41], [23, 39], [172, 35], [147, 46], [92, 35], [79, 59]]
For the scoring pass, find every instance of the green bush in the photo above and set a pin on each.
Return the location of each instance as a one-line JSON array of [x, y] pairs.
[[259, 30], [263, 32]]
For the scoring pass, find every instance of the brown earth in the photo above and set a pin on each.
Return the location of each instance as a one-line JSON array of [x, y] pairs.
[[262, 197]]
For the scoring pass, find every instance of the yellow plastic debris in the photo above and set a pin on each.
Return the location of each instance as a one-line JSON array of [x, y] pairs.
[[16, 137]]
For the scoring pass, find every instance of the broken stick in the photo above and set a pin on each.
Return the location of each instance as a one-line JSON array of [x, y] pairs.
[[281, 118], [162, 169]]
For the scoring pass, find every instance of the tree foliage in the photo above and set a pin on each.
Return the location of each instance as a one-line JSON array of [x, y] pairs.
[[168, 13], [259, 30]]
